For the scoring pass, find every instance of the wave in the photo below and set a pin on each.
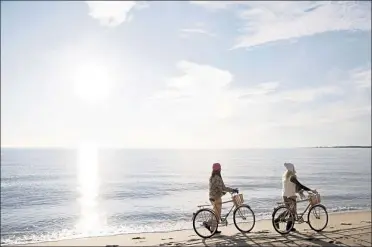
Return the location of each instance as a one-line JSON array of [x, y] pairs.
[[182, 222]]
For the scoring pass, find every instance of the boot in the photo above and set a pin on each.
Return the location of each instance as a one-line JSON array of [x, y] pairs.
[[289, 224]]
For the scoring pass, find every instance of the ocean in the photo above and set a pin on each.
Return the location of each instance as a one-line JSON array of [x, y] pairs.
[[52, 194]]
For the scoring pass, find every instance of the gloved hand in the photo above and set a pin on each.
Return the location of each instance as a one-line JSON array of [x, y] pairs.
[[302, 196]]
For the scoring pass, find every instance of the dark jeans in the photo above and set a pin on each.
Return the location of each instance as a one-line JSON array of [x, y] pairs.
[[291, 203]]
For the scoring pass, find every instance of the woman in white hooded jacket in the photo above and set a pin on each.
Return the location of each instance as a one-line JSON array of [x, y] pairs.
[[291, 186]]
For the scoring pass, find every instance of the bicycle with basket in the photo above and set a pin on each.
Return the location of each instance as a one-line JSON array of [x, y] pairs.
[[205, 220], [284, 213]]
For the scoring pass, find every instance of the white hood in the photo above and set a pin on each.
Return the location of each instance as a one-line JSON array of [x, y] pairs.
[[290, 167]]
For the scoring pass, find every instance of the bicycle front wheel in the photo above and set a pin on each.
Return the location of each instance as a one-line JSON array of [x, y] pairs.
[[205, 223], [283, 220], [244, 218], [318, 217]]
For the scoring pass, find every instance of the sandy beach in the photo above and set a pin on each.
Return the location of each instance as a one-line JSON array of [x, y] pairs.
[[344, 229]]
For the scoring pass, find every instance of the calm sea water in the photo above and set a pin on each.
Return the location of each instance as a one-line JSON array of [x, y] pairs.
[[59, 194]]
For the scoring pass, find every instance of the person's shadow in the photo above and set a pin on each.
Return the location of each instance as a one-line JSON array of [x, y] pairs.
[[307, 238]]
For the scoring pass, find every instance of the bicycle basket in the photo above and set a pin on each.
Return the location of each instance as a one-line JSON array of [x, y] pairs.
[[238, 199], [314, 199]]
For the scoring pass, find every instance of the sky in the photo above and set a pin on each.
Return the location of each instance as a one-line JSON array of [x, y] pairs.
[[186, 74]]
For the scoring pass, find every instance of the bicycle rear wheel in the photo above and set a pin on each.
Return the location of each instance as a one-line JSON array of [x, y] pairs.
[[318, 217], [283, 220], [244, 218], [205, 223]]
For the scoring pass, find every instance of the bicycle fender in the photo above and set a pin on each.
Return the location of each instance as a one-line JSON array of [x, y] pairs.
[[272, 214]]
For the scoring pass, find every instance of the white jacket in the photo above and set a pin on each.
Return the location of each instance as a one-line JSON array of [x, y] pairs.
[[289, 188]]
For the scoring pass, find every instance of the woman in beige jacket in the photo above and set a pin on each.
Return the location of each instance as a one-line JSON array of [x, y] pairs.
[[217, 189]]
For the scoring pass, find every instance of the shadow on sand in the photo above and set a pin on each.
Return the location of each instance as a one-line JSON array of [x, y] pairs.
[[305, 238]]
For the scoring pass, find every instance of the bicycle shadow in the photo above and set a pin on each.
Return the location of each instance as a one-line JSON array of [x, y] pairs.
[[301, 238]]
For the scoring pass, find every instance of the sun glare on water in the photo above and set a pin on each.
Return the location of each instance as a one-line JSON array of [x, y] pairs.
[[88, 187]]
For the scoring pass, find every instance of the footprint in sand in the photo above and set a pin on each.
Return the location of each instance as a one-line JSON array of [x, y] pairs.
[[193, 239], [136, 238]]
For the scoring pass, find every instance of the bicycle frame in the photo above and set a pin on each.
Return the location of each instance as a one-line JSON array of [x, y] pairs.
[[298, 217], [224, 218]]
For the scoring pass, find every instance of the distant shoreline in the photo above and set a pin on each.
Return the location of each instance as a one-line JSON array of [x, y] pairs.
[[344, 147]]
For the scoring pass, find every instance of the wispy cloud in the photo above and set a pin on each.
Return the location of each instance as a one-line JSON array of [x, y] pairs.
[[361, 77], [270, 93], [203, 88], [113, 13], [214, 5], [273, 21], [260, 89], [206, 88], [186, 32], [204, 93], [265, 21]]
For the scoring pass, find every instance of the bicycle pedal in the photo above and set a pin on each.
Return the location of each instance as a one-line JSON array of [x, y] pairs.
[[223, 223]]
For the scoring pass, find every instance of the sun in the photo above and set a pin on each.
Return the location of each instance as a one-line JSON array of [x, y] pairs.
[[91, 82]]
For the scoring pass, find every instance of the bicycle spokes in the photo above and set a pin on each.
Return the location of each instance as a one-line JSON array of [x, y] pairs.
[[316, 214], [318, 217]]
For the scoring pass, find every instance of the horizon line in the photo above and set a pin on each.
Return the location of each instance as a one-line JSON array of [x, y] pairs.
[[189, 148]]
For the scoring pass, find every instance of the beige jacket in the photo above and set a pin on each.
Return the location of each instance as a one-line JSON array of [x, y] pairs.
[[217, 187]]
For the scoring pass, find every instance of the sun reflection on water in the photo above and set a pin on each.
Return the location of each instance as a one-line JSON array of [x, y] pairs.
[[90, 219]]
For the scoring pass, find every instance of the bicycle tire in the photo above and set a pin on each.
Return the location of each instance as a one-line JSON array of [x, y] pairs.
[[194, 223], [253, 216], [326, 214], [273, 220]]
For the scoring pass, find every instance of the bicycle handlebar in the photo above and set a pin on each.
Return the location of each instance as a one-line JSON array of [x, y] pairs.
[[310, 191], [235, 191]]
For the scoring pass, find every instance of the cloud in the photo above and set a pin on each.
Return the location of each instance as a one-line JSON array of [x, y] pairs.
[[260, 89], [186, 32], [351, 104], [202, 101], [204, 93], [361, 77], [201, 88], [265, 22], [214, 5], [308, 94], [207, 89], [113, 13], [270, 92]]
